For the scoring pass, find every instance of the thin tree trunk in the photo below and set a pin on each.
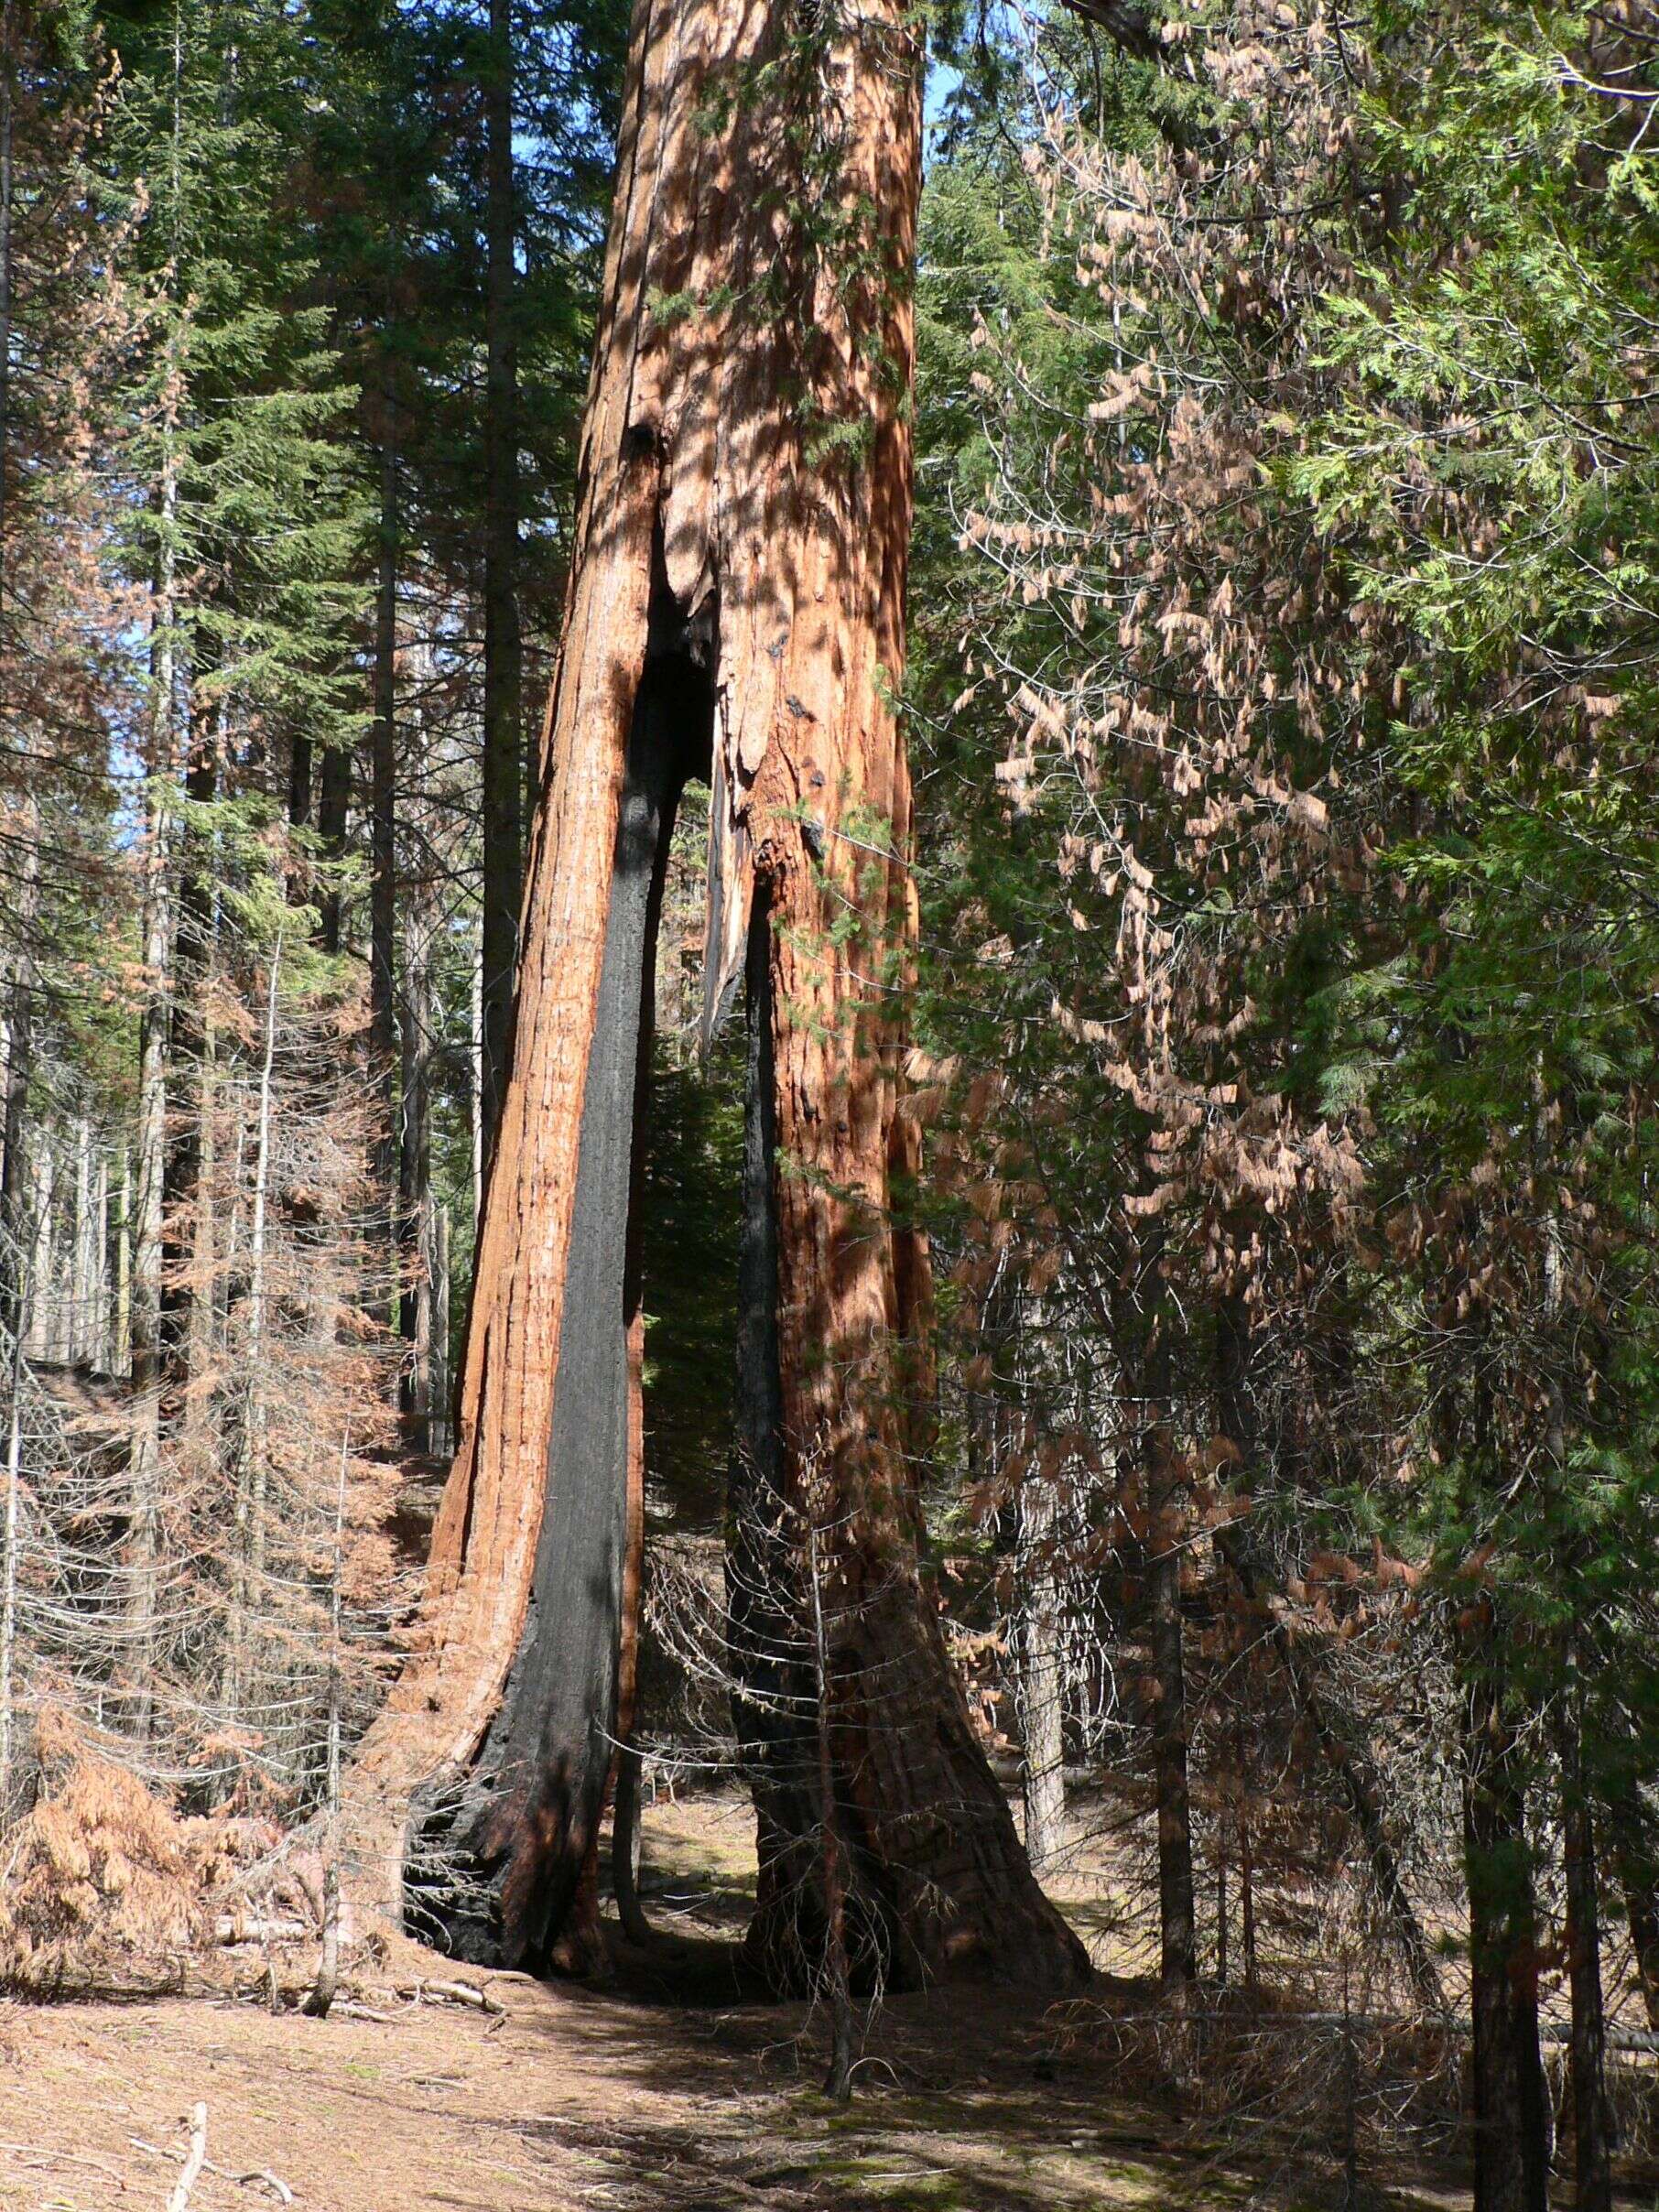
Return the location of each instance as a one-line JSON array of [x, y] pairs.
[[56, 1264], [120, 1319], [1178, 1958], [1361, 1786], [733, 595], [186, 1044], [104, 1358], [414, 1185], [256, 1418], [9, 1566], [625, 1815], [248, 1591], [383, 844], [476, 1044], [15, 1199], [503, 842], [1222, 1959], [839, 1985], [300, 777], [207, 1278], [624, 1847], [1512, 2159], [8, 67], [81, 1207], [1639, 1880], [333, 808], [1177, 1913], [148, 1211], [441, 1442], [1592, 2119], [19, 1012], [1041, 1677], [38, 1316], [1247, 1895], [322, 1997]]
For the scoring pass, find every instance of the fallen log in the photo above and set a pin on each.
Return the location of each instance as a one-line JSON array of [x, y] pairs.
[[450, 1992]]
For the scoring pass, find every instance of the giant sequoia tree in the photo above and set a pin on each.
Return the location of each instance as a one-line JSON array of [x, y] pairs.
[[735, 612]]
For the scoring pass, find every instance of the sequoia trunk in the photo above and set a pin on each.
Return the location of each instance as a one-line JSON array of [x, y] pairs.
[[735, 610]]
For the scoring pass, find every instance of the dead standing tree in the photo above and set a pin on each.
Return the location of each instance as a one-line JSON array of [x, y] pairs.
[[736, 610]]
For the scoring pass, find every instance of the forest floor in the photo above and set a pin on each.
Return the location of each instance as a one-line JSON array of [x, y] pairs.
[[631, 2099]]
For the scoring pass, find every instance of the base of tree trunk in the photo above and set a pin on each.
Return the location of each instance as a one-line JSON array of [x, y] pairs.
[[937, 1884]]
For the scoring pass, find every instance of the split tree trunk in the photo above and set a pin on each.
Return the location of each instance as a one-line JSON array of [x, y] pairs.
[[735, 608]]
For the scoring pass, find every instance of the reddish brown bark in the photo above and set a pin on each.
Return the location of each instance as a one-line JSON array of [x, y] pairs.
[[736, 607]]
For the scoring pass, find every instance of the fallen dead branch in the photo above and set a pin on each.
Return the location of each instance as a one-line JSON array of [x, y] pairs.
[[195, 2166], [194, 2161], [31, 2155]]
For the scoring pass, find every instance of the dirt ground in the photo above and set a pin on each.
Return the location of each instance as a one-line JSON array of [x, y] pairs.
[[572, 2099], [628, 2097]]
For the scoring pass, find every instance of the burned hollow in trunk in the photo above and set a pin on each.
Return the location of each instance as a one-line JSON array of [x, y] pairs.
[[480, 1874]]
